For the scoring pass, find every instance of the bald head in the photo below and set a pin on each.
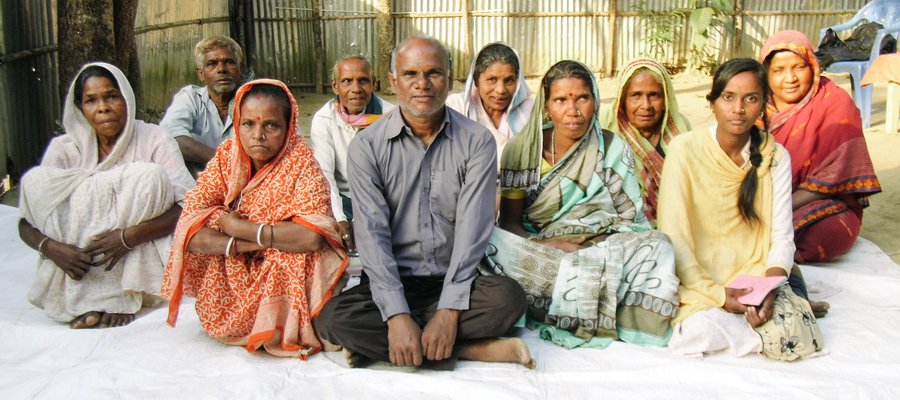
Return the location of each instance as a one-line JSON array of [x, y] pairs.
[[419, 40], [420, 75]]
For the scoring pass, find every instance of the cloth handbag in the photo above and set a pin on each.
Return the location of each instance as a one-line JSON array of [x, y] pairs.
[[792, 332]]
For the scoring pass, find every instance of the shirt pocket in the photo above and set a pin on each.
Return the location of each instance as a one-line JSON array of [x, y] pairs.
[[445, 186]]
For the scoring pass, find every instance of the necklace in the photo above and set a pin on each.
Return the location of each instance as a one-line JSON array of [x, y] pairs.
[[553, 147]]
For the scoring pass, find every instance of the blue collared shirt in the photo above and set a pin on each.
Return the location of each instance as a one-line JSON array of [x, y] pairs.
[[422, 211]]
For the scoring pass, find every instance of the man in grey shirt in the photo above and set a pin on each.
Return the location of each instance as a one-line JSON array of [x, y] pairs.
[[424, 181]]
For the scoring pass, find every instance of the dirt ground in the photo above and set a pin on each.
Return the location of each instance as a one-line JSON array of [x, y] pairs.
[[880, 224]]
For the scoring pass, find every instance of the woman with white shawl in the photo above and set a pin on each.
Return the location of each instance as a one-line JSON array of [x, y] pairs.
[[101, 207], [495, 94]]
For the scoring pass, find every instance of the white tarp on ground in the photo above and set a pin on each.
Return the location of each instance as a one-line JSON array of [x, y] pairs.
[[40, 358]]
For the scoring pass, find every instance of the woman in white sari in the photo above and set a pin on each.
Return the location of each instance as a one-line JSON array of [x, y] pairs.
[[495, 94], [101, 207]]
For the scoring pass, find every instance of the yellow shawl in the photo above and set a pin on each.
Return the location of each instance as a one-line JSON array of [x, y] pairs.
[[698, 209]]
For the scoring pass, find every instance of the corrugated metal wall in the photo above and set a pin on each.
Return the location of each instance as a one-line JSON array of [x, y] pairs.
[[442, 19], [283, 41], [29, 102], [279, 36], [349, 28], [165, 34], [566, 29]]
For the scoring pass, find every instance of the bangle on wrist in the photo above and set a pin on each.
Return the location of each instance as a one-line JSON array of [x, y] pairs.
[[228, 246], [40, 247], [122, 237], [259, 235], [271, 235]]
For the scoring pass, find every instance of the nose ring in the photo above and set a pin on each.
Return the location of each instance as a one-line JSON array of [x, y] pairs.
[[578, 112]]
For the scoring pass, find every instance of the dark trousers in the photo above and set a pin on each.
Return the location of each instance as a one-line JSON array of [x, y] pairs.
[[352, 319]]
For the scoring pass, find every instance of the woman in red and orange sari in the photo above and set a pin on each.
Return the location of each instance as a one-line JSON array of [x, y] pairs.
[[819, 125], [257, 244]]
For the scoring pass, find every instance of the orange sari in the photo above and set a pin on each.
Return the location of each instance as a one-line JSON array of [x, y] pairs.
[[267, 298]]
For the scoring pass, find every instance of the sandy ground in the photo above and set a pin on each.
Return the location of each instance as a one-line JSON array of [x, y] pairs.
[[880, 222]]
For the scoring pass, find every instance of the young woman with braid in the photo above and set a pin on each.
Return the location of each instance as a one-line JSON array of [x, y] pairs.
[[725, 201]]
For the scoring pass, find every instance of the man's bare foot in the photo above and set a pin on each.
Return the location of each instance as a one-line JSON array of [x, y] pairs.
[[355, 360], [512, 350], [110, 320], [819, 308], [87, 320]]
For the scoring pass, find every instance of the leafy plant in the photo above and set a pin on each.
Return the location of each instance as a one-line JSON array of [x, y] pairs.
[[661, 29], [704, 18]]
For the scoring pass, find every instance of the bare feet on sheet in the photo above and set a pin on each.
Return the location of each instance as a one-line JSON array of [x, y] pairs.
[[87, 320], [512, 350], [111, 320], [97, 319], [355, 360], [819, 308]]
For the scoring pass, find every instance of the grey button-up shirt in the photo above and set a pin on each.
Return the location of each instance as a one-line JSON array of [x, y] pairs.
[[193, 112], [422, 211]]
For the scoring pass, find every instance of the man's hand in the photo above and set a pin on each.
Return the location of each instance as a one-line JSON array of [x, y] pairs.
[[440, 334], [345, 228], [404, 341]]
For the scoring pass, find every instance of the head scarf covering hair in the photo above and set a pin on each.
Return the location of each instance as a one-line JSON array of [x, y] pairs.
[[648, 161], [82, 134], [823, 134], [591, 189], [241, 179], [795, 42], [519, 106]]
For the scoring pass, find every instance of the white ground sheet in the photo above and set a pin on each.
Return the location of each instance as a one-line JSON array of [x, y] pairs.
[[40, 358]]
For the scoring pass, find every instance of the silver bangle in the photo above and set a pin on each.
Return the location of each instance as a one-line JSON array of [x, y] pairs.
[[122, 237], [259, 235], [228, 246], [40, 247]]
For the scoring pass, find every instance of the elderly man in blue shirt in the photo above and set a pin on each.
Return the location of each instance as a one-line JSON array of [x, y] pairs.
[[424, 181], [199, 117]]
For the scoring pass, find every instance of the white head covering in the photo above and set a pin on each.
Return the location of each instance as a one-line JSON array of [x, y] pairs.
[[82, 134]]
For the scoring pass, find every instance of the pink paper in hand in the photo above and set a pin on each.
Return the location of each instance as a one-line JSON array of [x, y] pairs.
[[761, 286]]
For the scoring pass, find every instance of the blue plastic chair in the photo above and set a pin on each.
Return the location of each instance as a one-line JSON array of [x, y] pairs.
[[884, 12]]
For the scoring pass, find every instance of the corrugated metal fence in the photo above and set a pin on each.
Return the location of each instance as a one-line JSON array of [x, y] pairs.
[[297, 41], [29, 104]]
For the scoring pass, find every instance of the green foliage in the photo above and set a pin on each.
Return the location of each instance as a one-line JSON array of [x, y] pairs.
[[661, 28], [705, 18]]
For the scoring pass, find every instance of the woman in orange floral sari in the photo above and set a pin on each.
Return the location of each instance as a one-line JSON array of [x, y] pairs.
[[257, 244]]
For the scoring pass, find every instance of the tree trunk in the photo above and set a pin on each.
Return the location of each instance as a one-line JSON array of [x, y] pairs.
[[97, 30], [384, 28]]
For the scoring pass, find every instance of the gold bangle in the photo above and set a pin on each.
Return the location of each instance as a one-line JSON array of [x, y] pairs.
[[122, 237], [40, 247]]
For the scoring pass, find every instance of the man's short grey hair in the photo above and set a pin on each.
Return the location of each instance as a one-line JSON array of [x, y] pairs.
[[217, 42], [334, 68], [427, 38]]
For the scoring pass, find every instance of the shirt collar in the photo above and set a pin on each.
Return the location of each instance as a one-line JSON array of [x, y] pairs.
[[396, 125]]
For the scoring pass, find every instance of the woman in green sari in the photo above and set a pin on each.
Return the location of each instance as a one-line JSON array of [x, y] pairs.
[[571, 229]]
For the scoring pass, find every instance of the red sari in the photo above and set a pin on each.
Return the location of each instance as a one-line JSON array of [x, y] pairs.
[[823, 134], [267, 298]]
